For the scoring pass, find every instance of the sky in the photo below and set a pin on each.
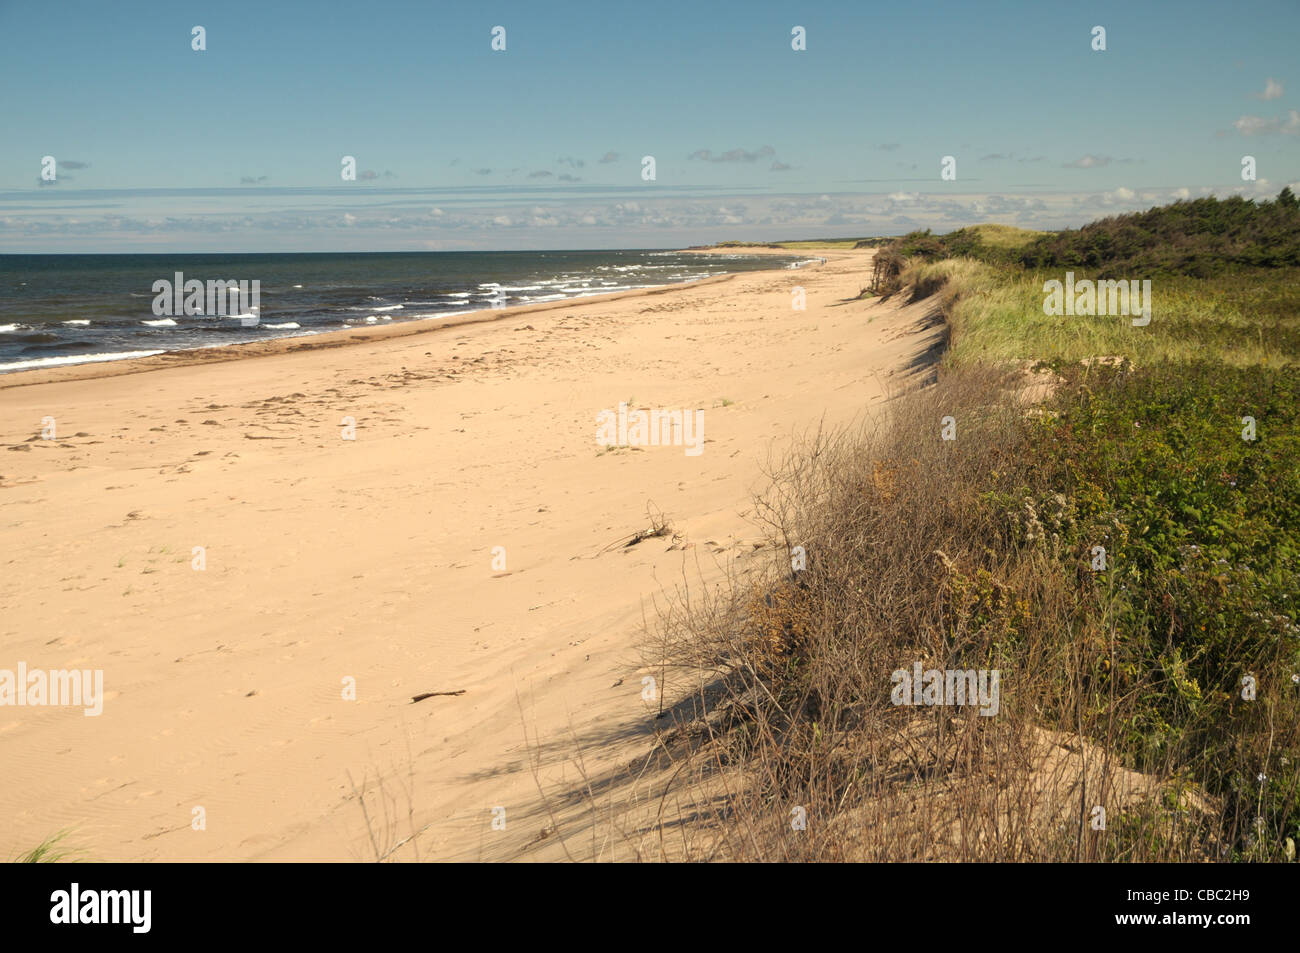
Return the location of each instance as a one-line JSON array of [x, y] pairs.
[[158, 146]]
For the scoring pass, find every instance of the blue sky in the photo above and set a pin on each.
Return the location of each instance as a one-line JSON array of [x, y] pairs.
[[239, 147]]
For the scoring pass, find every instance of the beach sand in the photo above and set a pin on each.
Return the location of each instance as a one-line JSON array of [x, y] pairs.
[[372, 559]]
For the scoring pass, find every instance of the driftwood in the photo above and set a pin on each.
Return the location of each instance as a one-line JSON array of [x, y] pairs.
[[423, 695]]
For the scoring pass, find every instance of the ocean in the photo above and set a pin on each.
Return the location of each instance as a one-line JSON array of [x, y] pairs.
[[74, 309]]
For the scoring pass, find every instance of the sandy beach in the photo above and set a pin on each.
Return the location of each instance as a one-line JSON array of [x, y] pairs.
[[372, 562]]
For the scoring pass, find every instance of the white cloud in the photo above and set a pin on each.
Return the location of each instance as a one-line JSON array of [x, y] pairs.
[[1266, 126], [612, 220], [1272, 90]]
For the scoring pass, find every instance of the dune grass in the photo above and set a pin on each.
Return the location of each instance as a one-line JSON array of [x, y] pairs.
[[995, 313], [820, 244], [52, 850], [1155, 684], [1004, 236]]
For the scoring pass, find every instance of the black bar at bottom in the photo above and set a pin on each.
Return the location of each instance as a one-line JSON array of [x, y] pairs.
[[431, 903]]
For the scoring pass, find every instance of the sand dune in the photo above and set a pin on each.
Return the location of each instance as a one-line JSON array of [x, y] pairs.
[[372, 559]]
